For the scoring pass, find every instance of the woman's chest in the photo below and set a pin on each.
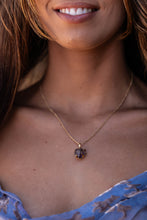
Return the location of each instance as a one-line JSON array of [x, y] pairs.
[[53, 181]]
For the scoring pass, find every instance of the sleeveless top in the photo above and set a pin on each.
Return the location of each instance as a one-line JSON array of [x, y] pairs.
[[126, 200]]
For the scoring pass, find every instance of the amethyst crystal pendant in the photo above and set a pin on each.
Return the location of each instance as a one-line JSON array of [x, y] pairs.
[[80, 153]]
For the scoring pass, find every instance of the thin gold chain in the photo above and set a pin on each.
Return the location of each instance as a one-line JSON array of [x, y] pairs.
[[102, 125]]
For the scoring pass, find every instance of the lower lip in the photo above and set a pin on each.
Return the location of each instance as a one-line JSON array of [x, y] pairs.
[[77, 18]]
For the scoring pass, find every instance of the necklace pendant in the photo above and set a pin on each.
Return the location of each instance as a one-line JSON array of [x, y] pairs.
[[80, 153]]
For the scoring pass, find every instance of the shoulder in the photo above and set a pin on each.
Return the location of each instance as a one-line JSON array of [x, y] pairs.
[[136, 112], [136, 104], [23, 113]]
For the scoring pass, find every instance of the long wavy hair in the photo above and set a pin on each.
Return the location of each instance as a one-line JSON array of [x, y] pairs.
[[23, 42]]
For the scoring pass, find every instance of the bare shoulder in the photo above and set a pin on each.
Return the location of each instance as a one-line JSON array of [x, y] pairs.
[[23, 114], [21, 120], [133, 119], [13, 126], [24, 122], [137, 105]]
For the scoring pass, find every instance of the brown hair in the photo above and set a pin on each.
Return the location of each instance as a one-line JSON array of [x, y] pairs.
[[23, 41]]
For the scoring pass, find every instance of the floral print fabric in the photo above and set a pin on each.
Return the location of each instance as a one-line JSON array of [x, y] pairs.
[[126, 200]]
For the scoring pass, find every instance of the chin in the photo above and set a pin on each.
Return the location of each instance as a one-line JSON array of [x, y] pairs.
[[78, 43], [84, 44], [85, 39]]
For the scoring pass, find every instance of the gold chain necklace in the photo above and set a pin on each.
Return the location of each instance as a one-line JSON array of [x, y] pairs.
[[79, 152]]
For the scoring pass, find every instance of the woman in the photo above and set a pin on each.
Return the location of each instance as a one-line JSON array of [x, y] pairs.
[[76, 85]]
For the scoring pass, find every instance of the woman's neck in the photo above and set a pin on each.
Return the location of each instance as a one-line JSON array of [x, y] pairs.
[[86, 82]]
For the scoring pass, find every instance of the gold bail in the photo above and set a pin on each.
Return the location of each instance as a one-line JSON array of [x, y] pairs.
[[79, 145]]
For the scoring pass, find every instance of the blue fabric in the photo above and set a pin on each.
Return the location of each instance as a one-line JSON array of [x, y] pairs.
[[126, 200]]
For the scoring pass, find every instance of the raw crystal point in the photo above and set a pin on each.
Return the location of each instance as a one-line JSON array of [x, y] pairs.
[[80, 153]]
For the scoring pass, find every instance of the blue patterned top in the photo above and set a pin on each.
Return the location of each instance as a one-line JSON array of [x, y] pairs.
[[126, 200]]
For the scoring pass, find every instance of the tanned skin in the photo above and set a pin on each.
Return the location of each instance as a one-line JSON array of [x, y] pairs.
[[86, 79]]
